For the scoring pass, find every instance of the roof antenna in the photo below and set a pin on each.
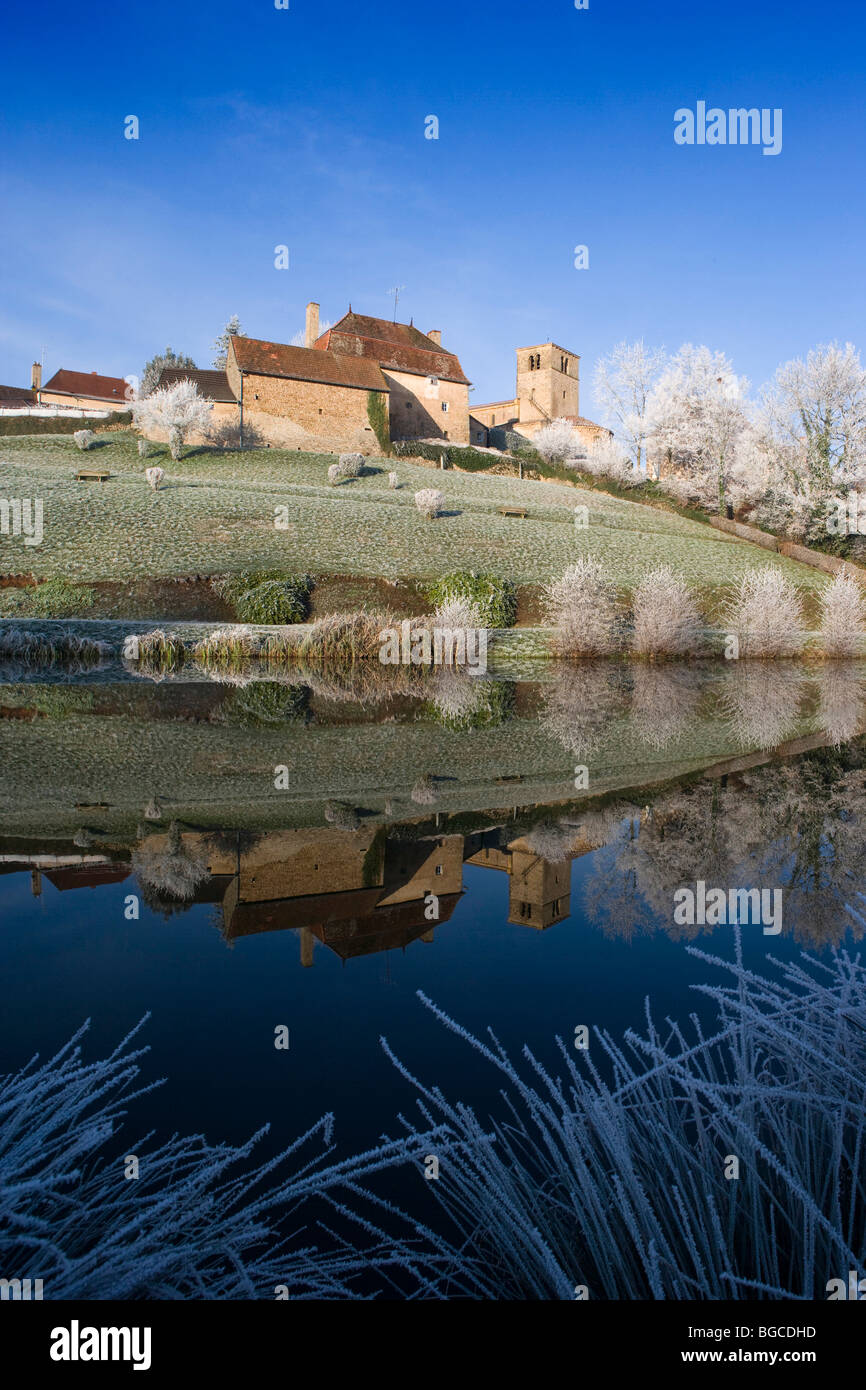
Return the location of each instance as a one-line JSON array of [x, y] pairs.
[[395, 290]]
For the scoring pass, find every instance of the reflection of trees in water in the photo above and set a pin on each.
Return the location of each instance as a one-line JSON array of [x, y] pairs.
[[552, 840], [800, 827], [460, 701], [665, 699], [169, 874], [581, 704], [760, 702], [841, 693]]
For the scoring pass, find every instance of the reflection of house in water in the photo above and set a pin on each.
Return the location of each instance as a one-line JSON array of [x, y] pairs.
[[539, 892], [355, 891]]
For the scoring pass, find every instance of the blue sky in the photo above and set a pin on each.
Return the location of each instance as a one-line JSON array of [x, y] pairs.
[[305, 127]]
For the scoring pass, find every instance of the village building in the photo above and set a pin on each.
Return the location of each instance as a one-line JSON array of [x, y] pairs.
[[547, 388], [304, 398], [80, 390], [428, 389], [16, 397]]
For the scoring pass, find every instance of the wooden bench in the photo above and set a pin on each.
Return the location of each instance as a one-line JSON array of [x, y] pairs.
[[513, 511], [92, 475]]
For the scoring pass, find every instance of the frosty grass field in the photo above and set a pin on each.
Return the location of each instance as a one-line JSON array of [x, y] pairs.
[[216, 513]]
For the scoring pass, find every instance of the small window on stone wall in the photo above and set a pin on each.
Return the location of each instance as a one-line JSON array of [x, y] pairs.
[[445, 407]]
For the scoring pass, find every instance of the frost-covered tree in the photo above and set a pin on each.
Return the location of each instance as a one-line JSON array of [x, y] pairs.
[[623, 382], [816, 416], [556, 440], [581, 605], [666, 617], [698, 422], [178, 410], [152, 370], [766, 614], [604, 458], [842, 618], [220, 345]]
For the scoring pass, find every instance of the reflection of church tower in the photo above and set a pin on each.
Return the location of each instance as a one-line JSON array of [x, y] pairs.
[[539, 892]]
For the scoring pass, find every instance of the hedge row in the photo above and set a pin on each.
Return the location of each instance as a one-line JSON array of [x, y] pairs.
[[44, 424]]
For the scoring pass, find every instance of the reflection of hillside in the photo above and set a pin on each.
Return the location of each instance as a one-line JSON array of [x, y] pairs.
[[359, 887], [210, 755]]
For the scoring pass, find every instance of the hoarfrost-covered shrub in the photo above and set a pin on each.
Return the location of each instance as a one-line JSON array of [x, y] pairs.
[[429, 502], [154, 477], [143, 448], [342, 816], [176, 410], [424, 791], [842, 695], [666, 618], [761, 703], [495, 598], [457, 613], [556, 441], [842, 615], [552, 840], [84, 438], [766, 615], [347, 466], [392, 480], [581, 605], [172, 871], [582, 711], [603, 459]]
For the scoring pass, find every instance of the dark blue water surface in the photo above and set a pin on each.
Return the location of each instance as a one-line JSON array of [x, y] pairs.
[[69, 956]]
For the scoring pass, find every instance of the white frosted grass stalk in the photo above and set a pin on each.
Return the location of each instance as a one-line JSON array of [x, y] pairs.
[[202, 1221], [616, 1180]]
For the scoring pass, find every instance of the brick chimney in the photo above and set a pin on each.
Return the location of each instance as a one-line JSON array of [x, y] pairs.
[[36, 376], [312, 332], [436, 335]]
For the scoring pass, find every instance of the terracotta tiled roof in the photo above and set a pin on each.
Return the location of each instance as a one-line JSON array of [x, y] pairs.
[[17, 395], [103, 388], [583, 423], [306, 364], [399, 346], [214, 385]]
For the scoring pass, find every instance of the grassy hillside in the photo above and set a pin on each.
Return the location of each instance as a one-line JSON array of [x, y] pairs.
[[216, 511]]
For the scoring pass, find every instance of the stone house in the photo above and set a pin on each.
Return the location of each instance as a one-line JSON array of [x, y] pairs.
[[304, 398], [429, 391], [81, 390]]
